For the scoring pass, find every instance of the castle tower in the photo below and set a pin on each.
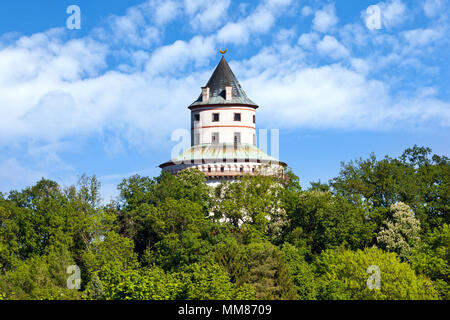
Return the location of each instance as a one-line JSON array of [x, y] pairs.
[[223, 132]]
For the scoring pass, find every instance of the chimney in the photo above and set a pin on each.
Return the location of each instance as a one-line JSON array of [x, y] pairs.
[[228, 92], [205, 93]]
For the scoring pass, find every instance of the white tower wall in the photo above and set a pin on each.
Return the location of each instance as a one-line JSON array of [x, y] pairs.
[[226, 127]]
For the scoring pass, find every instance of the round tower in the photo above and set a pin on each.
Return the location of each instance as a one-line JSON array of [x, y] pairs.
[[223, 113], [223, 133]]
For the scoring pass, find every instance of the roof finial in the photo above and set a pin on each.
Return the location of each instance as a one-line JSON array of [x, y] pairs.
[[223, 51]]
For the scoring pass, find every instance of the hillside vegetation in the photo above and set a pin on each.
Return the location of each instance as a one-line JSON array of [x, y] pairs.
[[172, 237]]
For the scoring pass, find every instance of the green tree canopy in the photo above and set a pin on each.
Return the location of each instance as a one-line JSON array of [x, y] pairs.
[[343, 275]]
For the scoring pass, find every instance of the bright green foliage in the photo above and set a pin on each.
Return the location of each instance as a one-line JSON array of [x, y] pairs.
[[343, 276], [188, 184], [325, 221], [433, 259], [39, 278], [109, 255], [301, 272], [196, 282], [402, 234], [210, 281], [252, 204], [143, 284]]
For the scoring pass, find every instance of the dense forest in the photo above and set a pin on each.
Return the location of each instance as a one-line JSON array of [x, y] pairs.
[[173, 237]]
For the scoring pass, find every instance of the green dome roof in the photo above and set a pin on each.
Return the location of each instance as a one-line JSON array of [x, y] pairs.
[[210, 153]]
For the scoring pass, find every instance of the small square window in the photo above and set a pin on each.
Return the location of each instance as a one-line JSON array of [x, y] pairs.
[[215, 117], [237, 117], [197, 117]]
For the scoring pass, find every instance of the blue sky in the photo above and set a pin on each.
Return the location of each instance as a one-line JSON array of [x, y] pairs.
[[105, 99]]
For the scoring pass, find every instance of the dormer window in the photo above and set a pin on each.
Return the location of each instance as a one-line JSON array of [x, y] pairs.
[[237, 117], [215, 117], [228, 92], [205, 94]]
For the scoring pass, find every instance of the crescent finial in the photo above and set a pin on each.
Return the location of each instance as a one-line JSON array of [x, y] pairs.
[[223, 51]]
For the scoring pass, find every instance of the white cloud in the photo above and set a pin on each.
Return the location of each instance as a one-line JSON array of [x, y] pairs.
[[308, 40], [51, 90], [260, 21], [234, 32], [325, 19], [165, 10], [285, 35], [393, 13], [208, 15], [354, 34], [307, 11], [433, 7], [361, 66], [140, 25], [335, 97], [422, 37], [54, 90], [329, 46], [171, 58]]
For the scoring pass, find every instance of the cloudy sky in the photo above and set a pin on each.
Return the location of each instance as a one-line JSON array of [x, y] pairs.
[[106, 98]]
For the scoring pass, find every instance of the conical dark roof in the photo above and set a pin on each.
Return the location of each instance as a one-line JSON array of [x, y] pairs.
[[222, 76]]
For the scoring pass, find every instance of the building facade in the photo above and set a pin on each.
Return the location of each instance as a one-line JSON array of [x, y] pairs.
[[223, 133]]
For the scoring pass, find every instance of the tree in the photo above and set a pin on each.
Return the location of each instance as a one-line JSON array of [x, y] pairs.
[[188, 184], [252, 204], [325, 221], [401, 234], [343, 275], [301, 272], [415, 178], [143, 284], [173, 234], [432, 259], [40, 278], [108, 256], [268, 272], [262, 237], [209, 281]]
